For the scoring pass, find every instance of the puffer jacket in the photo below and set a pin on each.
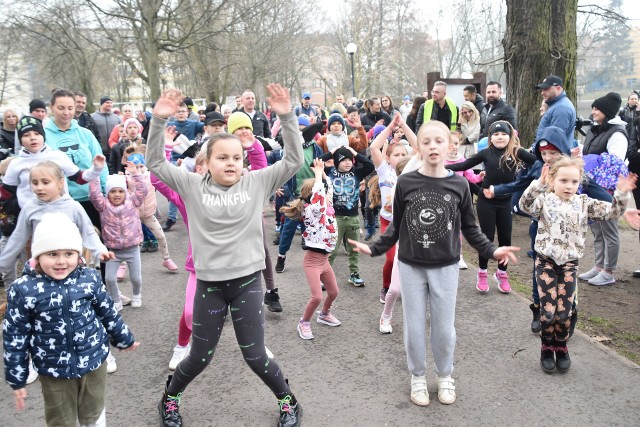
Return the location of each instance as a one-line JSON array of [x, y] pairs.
[[121, 227], [149, 204], [64, 324]]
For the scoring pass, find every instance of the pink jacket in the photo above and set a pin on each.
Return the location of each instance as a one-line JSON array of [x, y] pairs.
[[174, 197], [256, 156], [121, 226], [149, 204], [468, 174]]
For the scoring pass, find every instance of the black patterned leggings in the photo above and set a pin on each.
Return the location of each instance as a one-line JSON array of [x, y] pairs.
[[557, 288], [243, 297]]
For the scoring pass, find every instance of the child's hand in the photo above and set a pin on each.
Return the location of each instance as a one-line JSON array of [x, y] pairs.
[[505, 253], [131, 168], [482, 174], [488, 192], [318, 166], [278, 98], [354, 152], [170, 134], [141, 116], [357, 121], [105, 256], [395, 122], [363, 185], [379, 123], [626, 183], [633, 218], [133, 346], [359, 247], [576, 152], [167, 105], [279, 192], [543, 175], [20, 395], [99, 161]]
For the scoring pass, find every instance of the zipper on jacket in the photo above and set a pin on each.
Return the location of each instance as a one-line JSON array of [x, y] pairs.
[[72, 355]]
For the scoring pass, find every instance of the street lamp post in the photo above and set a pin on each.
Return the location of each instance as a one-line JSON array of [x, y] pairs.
[[351, 49]]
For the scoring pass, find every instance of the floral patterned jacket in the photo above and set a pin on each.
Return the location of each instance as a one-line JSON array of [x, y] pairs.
[[563, 224], [320, 233]]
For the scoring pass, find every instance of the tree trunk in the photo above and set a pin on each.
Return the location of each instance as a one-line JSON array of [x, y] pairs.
[[540, 40]]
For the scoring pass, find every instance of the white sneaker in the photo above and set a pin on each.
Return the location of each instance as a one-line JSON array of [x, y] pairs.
[[603, 278], [136, 301], [461, 264], [446, 390], [117, 305], [589, 274], [179, 353], [125, 300], [111, 364], [419, 393], [33, 374], [385, 325]]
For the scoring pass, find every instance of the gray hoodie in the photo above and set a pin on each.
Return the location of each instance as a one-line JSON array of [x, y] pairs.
[[30, 217], [225, 223]]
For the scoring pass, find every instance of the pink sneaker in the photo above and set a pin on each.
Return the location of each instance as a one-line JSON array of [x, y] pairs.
[[169, 265], [481, 283], [502, 279], [122, 270]]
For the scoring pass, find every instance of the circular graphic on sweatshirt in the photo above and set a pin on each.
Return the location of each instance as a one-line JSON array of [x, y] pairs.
[[430, 217]]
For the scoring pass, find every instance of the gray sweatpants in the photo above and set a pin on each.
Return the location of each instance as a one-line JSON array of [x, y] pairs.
[[437, 288], [131, 256], [606, 240]]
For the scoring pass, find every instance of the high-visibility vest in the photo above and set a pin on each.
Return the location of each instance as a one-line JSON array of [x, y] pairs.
[[428, 110]]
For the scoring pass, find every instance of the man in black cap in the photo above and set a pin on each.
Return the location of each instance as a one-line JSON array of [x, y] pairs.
[[105, 120], [38, 109], [560, 111]]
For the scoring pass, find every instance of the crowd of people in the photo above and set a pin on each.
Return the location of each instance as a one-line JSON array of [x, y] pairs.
[[79, 190]]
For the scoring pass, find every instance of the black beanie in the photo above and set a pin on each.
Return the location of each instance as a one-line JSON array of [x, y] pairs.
[[608, 104], [340, 154], [500, 126], [27, 123], [104, 99], [35, 104]]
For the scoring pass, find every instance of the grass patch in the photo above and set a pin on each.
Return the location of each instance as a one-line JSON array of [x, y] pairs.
[[629, 355], [600, 322], [627, 336]]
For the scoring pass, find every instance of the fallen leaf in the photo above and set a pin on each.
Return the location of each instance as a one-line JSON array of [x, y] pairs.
[[600, 338]]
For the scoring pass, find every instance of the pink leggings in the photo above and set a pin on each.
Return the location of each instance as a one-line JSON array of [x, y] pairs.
[[318, 271], [184, 330], [394, 288], [388, 262]]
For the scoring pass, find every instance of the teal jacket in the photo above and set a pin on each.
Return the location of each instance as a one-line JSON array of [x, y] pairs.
[[81, 147]]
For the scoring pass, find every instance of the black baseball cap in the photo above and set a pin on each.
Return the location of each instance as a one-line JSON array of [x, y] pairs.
[[550, 81], [213, 117]]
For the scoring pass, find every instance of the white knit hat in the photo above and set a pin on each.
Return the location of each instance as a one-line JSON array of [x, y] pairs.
[[56, 231], [116, 181]]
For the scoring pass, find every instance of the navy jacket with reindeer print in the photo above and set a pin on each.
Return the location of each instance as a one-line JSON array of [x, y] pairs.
[[64, 324]]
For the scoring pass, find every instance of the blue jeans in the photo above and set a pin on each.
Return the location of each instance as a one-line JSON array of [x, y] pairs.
[[533, 232], [287, 233], [147, 235]]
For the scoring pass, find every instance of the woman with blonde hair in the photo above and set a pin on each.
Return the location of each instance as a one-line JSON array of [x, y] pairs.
[[470, 128], [8, 133]]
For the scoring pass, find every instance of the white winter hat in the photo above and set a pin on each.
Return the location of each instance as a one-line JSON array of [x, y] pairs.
[[56, 231], [116, 181]]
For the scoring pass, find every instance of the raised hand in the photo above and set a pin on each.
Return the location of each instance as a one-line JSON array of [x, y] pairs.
[[544, 174], [278, 98], [170, 135], [626, 183], [168, 103], [318, 166], [359, 247], [505, 253], [131, 168], [99, 161]]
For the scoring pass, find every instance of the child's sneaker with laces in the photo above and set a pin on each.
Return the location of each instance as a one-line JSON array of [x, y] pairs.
[[169, 265], [328, 319], [502, 279], [355, 280], [481, 282], [179, 353], [304, 330], [385, 325]]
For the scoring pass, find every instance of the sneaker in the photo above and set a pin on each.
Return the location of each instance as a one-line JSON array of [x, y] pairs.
[[502, 279], [383, 294], [461, 264], [169, 265], [299, 229], [530, 253], [419, 393], [167, 225], [603, 278], [125, 300], [481, 282], [446, 390], [144, 247], [355, 280], [117, 305], [636, 274], [304, 330], [278, 228], [169, 408], [280, 264], [328, 319], [33, 374], [385, 325], [122, 270], [290, 413], [179, 353], [272, 301], [136, 301], [153, 246], [369, 235], [111, 364], [589, 274]]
